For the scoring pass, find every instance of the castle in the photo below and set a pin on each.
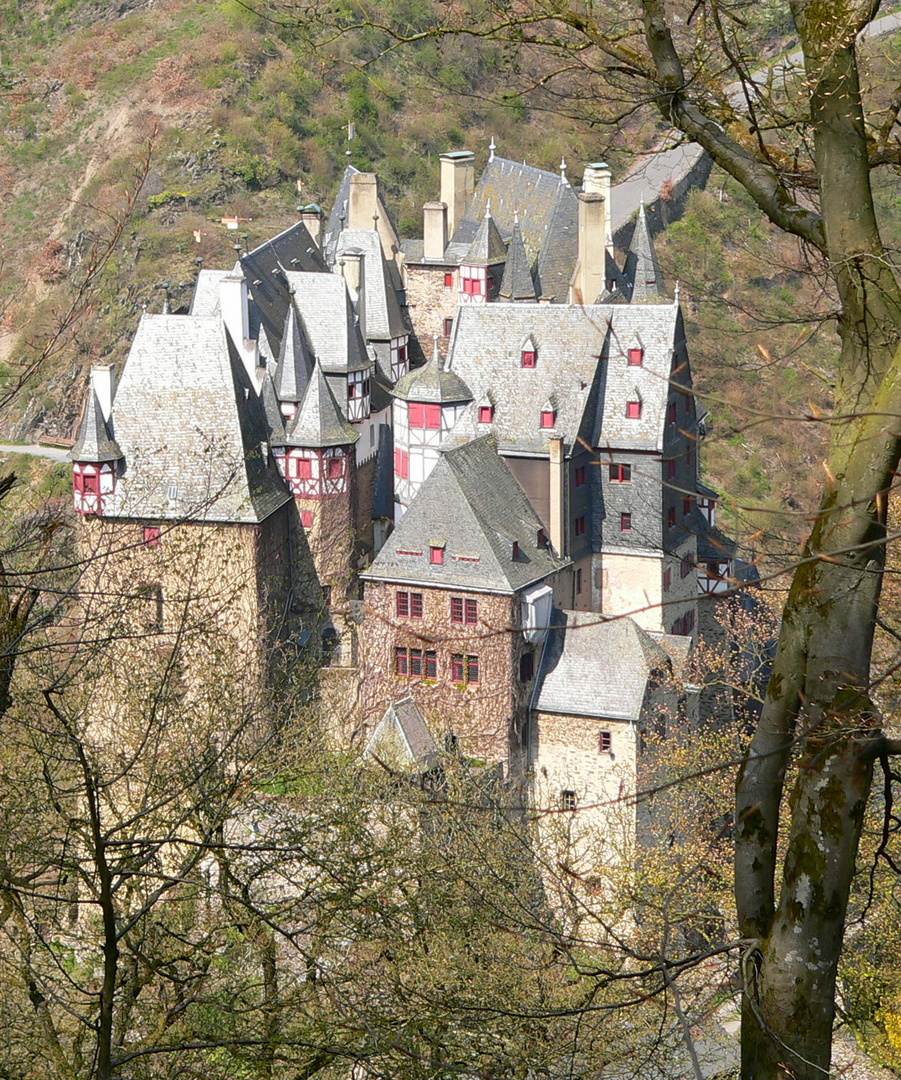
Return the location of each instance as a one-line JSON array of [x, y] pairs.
[[460, 471]]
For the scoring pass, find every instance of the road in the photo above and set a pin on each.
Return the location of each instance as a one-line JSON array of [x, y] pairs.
[[52, 452]]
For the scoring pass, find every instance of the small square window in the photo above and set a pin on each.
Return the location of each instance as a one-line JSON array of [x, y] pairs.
[[436, 555], [580, 476], [433, 417], [306, 518], [605, 742], [636, 357], [548, 418], [335, 468], [568, 800], [620, 474], [448, 327], [542, 539], [671, 468], [580, 526], [449, 280], [151, 535], [401, 661], [633, 410], [671, 517], [486, 414], [686, 507], [625, 522], [529, 358]]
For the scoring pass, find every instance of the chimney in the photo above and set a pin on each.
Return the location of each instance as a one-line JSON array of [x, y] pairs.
[[591, 278], [311, 216], [363, 204], [434, 230], [353, 267], [557, 509], [458, 181], [103, 382], [597, 180]]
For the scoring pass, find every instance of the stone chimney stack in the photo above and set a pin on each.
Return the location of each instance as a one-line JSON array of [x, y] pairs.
[[103, 382], [597, 180], [434, 230], [458, 182], [557, 511], [591, 278], [353, 267], [311, 215], [363, 203]]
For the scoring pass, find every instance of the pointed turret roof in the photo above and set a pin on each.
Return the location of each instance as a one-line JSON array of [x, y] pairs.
[[319, 421], [487, 248], [95, 443], [642, 268], [432, 382], [275, 421], [295, 363], [517, 283]]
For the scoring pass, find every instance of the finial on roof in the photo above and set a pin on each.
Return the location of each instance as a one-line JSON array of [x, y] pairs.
[[436, 354], [676, 293], [563, 170], [488, 209], [492, 146], [515, 217], [641, 200]]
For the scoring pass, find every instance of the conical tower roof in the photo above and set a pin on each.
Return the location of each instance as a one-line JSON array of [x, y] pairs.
[[295, 363], [319, 421], [432, 382], [487, 248], [95, 443], [517, 283], [642, 269], [275, 421]]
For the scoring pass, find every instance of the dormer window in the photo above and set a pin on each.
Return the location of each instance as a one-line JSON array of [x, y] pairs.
[[448, 280], [633, 410], [548, 418], [515, 550], [542, 539], [436, 555], [636, 357], [486, 414], [529, 355]]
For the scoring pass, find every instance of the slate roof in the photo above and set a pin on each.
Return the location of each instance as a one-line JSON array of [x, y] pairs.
[[275, 421], [205, 301], [319, 421], [642, 270], [432, 382], [383, 502], [338, 215], [292, 250], [473, 507], [517, 283], [559, 251], [596, 668], [328, 318], [190, 426], [295, 362], [487, 247], [94, 443], [402, 737], [384, 318]]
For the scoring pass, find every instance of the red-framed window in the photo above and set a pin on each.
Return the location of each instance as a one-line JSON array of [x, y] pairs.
[[306, 518], [486, 414], [580, 476], [541, 540], [358, 389], [672, 412], [529, 358], [464, 610], [474, 286], [687, 504], [625, 522], [402, 464], [580, 525], [636, 357], [448, 327], [300, 467], [548, 418], [408, 605], [687, 565], [151, 535], [465, 668], [401, 661], [436, 555], [424, 416], [620, 474], [633, 410], [605, 742], [416, 663], [448, 280], [335, 468], [671, 516], [671, 468]]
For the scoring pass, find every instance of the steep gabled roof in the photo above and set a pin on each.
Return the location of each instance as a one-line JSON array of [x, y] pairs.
[[275, 421], [517, 283], [432, 382], [402, 738], [331, 327], [384, 317], [295, 363], [205, 300], [596, 668], [94, 443], [487, 247], [642, 270], [191, 428], [559, 248], [319, 421], [472, 507]]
